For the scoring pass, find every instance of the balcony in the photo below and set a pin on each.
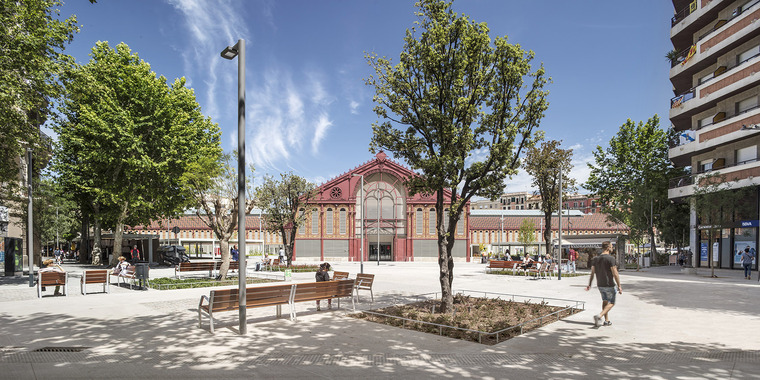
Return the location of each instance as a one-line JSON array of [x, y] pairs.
[[742, 174], [726, 84], [691, 17], [737, 29], [710, 136]]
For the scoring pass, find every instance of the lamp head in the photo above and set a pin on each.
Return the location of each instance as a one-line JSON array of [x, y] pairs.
[[229, 52]]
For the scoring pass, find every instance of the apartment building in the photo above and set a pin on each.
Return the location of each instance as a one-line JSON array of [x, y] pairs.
[[714, 67], [507, 201]]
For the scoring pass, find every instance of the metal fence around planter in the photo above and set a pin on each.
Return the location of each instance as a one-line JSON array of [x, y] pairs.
[[578, 305], [203, 284]]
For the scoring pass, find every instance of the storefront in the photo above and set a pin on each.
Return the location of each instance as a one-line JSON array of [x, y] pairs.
[[725, 245]]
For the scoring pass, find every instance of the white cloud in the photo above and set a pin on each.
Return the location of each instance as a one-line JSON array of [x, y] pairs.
[[320, 130], [353, 107]]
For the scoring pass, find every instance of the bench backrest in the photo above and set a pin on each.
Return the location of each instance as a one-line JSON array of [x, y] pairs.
[[276, 262], [364, 280], [205, 265], [95, 276], [52, 278], [227, 299], [340, 275], [311, 291]]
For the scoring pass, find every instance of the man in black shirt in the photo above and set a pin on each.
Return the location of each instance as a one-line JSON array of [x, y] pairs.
[[605, 268]]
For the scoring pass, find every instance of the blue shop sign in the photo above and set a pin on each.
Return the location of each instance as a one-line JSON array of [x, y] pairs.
[[750, 223]]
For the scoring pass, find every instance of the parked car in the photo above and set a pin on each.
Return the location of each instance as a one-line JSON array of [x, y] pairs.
[[173, 255]]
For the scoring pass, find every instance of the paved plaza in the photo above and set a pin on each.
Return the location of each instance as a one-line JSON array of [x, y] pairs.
[[667, 325]]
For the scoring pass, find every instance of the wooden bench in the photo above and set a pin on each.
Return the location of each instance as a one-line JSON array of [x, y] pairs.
[[52, 279], [127, 274], [97, 276], [228, 300], [272, 295], [337, 275], [202, 266], [538, 270], [501, 264], [364, 282], [313, 291]]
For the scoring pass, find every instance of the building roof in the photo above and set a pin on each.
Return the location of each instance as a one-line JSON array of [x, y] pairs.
[[522, 213], [583, 222]]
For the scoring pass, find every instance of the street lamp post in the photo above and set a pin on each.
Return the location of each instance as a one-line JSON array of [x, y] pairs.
[[559, 251], [361, 250], [377, 192], [30, 219], [231, 52]]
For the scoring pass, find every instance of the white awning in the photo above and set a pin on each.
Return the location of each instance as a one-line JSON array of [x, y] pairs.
[[582, 242]]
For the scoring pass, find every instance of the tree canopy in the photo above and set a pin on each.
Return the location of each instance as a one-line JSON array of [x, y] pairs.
[[459, 108], [32, 41], [630, 177], [544, 163], [128, 141], [282, 202]]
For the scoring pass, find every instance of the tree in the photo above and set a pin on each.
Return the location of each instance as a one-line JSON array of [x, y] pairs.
[[718, 205], [129, 142], [630, 177], [527, 233], [32, 41], [464, 114], [282, 204], [217, 205], [544, 164]]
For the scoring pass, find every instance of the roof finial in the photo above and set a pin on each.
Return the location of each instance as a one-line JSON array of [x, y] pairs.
[[381, 156]]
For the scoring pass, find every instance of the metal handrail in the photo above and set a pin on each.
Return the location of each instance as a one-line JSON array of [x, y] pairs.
[[675, 141], [681, 56], [690, 178], [678, 100], [680, 15]]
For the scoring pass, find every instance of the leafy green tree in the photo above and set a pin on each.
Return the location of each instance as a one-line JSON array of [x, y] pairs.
[[32, 40], [129, 142], [526, 234], [282, 203], [630, 176], [544, 163], [216, 201], [460, 109]]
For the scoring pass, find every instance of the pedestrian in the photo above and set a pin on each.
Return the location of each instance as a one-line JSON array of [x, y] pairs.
[[135, 253], [57, 254], [49, 266], [747, 258], [322, 275], [282, 256], [571, 259], [605, 269], [235, 253]]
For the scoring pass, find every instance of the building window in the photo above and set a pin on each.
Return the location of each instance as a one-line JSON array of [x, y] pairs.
[[460, 225], [705, 122], [329, 221], [746, 104], [342, 221], [302, 226], [748, 154], [431, 227], [747, 54], [705, 166], [314, 222], [418, 221]]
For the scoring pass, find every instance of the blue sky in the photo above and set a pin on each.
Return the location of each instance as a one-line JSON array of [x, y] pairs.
[[308, 109]]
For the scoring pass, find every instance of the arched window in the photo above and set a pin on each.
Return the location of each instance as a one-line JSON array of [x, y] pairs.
[[460, 225], [418, 222], [446, 219], [302, 226], [329, 221], [431, 227], [342, 221], [315, 222]]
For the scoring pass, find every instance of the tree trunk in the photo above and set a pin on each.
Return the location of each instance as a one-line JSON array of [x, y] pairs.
[[84, 243], [548, 230], [290, 247], [224, 246], [118, 236], [652, 245], [96, 246]]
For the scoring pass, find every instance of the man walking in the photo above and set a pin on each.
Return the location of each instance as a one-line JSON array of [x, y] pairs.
[[747, 258], [605, 268]]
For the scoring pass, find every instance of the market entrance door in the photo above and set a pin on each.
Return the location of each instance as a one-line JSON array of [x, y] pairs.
[[385, 252]]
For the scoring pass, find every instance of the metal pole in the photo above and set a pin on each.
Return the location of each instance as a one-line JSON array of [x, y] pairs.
[[241, 184], [377, 192], [501, 223], [361, 204], [30, 225], [56, 227], [261, 236], [559, 255]]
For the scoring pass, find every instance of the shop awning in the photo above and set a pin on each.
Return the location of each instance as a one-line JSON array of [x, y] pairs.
[[582, 242]]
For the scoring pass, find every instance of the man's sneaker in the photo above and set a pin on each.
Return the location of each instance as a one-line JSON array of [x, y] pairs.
[[607, 323], [597, 320]]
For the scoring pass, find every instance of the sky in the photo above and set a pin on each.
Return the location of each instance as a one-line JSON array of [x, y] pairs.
[[308, 109]]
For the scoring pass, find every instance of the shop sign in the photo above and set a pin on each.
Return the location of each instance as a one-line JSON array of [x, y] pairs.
[[750, 223]]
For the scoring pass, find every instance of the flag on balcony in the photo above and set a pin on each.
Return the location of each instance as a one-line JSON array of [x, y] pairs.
[[692, 51]]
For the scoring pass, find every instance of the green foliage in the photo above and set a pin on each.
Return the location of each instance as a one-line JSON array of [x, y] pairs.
[[630, 177], [543, 163], [527, 232], [283, 205], [32, 38], [459, 108], [129, 142]]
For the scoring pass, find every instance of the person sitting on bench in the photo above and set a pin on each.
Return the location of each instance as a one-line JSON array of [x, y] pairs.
[[49, 266]]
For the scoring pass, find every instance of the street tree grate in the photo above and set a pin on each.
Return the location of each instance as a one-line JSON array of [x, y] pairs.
[[60, 349]]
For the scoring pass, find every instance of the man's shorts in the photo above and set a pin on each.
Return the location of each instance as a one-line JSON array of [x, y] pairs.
[[608, 293]]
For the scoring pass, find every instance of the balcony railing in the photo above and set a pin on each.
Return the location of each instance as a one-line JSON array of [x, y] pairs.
[[680, 57], [689, 136], [683, 98], [690, 178], [680, 15], [737, 12]]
